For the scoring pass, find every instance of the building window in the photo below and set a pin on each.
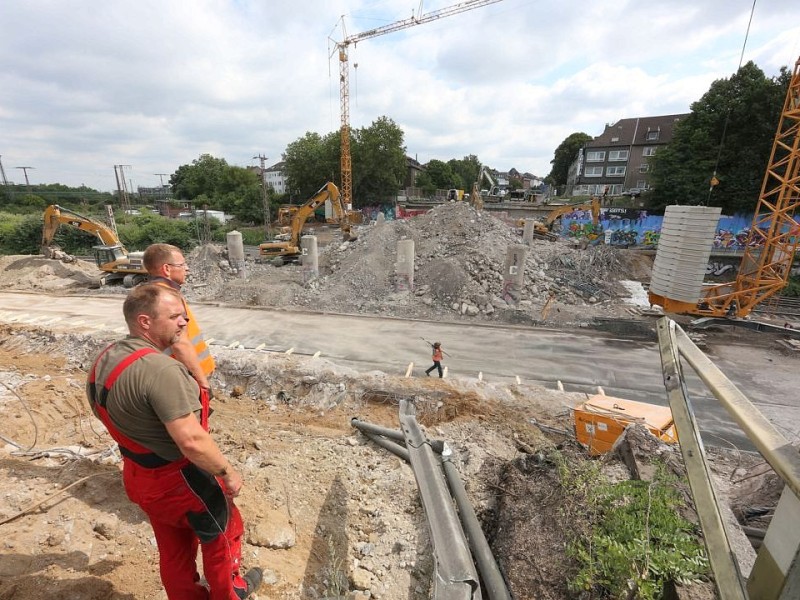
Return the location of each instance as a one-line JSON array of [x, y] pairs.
[[596, 156], [594, 171], [649, 150], [644, 168], [614, 139], [652, 136], [618, 155], [641, 184], [615, 171]]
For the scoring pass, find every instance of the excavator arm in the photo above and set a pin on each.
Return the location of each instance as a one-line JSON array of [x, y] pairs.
[[55, 216], [329, 191], [593, 205], [111, 256], [290, 249]]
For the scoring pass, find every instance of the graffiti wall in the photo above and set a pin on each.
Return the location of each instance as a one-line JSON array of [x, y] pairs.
[[635, 227]]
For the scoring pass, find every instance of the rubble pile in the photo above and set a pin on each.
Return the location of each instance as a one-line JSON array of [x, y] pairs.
[[459, 262], [458, 274]]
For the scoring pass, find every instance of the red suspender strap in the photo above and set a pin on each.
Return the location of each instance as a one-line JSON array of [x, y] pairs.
[[127, 445], [204, 407]]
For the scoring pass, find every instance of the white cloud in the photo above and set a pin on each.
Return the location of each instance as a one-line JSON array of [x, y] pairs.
[[86, 85]]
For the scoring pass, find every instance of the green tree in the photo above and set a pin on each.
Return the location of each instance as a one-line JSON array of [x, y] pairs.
[[734, 122], [564, 156], [379, 162], [441, 175], [467, 169], [311, 161], [213, 183]]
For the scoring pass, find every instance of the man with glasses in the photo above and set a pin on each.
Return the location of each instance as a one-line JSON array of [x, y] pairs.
[[167, 266]]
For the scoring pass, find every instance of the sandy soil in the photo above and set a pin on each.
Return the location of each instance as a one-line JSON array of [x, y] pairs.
[[328, 513]]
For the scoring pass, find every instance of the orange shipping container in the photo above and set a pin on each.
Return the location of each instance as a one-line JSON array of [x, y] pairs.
[[601, 420]]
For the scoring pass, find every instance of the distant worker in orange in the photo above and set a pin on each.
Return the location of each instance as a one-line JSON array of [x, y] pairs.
[[167, 266], [437, 360]]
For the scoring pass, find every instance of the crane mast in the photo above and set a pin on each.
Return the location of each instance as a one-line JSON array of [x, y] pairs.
[[344, 77], [774, 233]]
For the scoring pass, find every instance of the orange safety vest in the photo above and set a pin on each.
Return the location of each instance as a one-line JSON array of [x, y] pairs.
[[192, 330]]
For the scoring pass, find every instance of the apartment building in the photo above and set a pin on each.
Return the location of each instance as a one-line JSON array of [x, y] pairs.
[[617, 161]]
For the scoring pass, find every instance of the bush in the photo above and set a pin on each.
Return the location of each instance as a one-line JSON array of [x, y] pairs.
[[637, 540], [792, 288]]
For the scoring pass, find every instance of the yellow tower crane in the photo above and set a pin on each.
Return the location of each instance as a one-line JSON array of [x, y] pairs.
[[344, 76]]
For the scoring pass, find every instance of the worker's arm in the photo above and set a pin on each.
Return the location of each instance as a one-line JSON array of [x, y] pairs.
[[197, 445], [184, 351]]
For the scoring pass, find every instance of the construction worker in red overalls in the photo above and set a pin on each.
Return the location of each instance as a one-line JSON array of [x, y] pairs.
[[172, 468]]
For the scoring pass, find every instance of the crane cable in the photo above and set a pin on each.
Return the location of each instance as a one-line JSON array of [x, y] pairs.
[[714, 181]]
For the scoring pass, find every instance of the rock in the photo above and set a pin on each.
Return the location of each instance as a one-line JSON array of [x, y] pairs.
[[361, 579], [237, 391], [274, 531], [106, 525], [472, 310]]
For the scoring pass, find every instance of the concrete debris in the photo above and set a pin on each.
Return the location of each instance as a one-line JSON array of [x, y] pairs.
[[459, 260]]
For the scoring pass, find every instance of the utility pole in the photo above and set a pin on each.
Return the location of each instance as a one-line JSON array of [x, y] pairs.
[[27, 183], [119, 173], [162, 194], [264, 198], [3, 172], [5, 181]]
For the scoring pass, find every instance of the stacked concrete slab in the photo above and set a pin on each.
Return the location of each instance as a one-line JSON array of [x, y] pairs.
[[687, 235]]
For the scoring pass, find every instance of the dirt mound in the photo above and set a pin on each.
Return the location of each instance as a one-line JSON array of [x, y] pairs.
[[39, 273], [459, 265]]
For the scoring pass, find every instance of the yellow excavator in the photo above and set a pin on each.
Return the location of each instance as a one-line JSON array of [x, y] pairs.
[[117, 264], [281, 251], [544, 229]]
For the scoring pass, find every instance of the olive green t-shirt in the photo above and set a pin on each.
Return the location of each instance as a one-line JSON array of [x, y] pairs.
[[154, 390]]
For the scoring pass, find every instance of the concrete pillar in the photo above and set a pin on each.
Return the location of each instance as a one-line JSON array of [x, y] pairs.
[[527, 233], [236, 253], [404, 280], [776, 572], [309, 257], [514, 273]]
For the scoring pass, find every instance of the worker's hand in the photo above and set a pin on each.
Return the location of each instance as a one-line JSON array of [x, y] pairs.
[[232, 482]]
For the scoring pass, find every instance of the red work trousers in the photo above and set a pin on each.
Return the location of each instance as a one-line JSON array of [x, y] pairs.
[[187, 508]]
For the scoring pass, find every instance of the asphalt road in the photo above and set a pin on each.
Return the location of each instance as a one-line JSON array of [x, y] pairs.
[[581, 360]]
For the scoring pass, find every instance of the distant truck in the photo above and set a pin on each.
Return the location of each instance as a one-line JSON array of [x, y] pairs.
[[202, 214]]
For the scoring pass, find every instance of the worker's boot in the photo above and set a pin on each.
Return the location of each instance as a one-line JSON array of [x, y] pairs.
[[253, 578]]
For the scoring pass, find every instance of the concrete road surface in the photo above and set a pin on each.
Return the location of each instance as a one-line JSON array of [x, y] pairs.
[[580, 359]]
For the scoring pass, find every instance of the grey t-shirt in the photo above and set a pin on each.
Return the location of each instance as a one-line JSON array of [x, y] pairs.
[[154, 390]]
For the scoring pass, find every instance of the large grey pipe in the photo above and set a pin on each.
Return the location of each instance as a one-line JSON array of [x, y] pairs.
[[392, 434], [490, 573]]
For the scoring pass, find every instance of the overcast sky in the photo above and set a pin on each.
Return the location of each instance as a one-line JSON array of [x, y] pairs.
[[87, 84]]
